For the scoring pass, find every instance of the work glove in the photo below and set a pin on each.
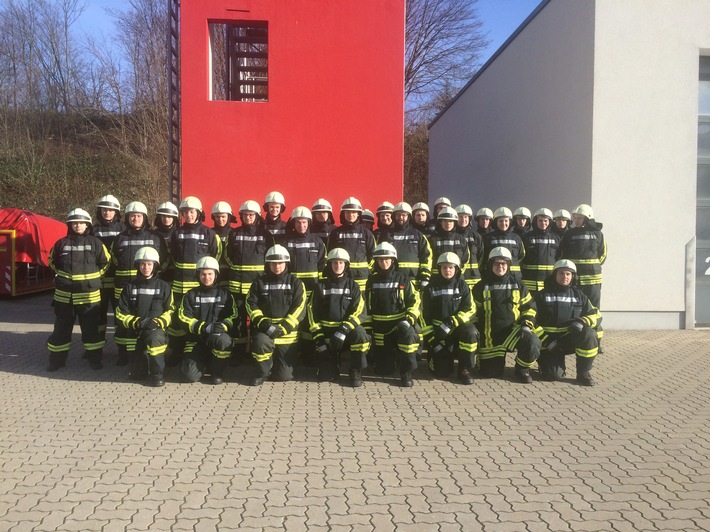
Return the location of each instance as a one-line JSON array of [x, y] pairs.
[[321, 346], [266, 326], [338, 339], [208, 329], [437, 348], [576, 327], [275, 331], [147, 324], [443, 330], [403, 326]]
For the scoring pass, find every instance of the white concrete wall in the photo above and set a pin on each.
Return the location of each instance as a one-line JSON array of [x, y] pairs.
[[644, 162], [521, 134]]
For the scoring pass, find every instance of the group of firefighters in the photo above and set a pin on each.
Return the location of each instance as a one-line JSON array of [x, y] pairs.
[[263, 292]]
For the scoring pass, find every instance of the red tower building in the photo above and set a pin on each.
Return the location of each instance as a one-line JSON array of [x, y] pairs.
[[301, 96]]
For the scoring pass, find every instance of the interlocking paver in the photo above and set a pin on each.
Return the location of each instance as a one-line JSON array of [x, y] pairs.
[[89, 450]]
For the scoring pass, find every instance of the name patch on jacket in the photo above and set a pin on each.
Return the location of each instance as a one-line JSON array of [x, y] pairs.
[[145, 291], [384, 286]]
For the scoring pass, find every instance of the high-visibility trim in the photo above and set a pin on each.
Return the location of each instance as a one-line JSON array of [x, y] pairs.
[[361, 348], [520, 362], [130, 343], [468, 348], [78, 276], [538, 267], [587, 261], [157, 350], [399, 316], [186, 265], [221, 354], [58, 348], [93, 346], [408, 348], [247, 267], [486, 353], [288, 339], [587, 353], [261, 357]]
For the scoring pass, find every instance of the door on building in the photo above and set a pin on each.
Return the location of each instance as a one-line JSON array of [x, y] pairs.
[[702, 227]]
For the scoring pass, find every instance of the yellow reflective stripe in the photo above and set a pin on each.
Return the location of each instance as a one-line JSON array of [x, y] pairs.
[[469, 348], [409, 265], [157, 351], [587, 261], [485, 353], [247, 267], [358, 265], [261, 358], [186, 265], [514, 268], [516, 304], [306, 275], [587, 353], [538, 267], [520, 362], [389, 317], [95, 345], [408, 348], [55, 348]]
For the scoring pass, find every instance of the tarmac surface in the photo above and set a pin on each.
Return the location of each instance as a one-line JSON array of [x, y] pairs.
[[88, 450]]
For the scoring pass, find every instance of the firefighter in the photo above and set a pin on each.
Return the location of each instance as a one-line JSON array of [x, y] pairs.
[[447, 313], [136, 236], [274, 207], [445, 237], [144, 310], [413, 249], [439, 204], [323, 221], [503, 235], [167, 219], [245, 254], [367, 219], [208, 313], [420, 218], [188, 244], [505, 313], [483, 221], [521, 221], [276, 305], [393, 308], [222, 220], [584, 245], [78, 260], [306, 250], [562, 218], [355, 238], [335, 313], [464, 227], [568, 320], [541, 246], [385, 225], [106, 229]]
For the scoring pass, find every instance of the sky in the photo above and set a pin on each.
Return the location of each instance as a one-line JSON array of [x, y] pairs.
[[500, 19]]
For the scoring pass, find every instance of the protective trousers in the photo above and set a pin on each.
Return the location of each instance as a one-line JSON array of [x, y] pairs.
[[461, 345], [491, 359], [394, 346], [146, 353], [277, 357], [59, 341], [357, 342], [583, 344], [209, 354]]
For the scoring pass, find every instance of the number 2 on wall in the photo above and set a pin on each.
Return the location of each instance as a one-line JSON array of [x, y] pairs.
[[707, 272]]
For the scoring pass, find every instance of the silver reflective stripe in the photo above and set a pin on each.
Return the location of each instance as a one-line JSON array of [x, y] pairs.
[[444, 292], [207, 299], [384, 286], [551, 298], [77, 248], [301, 245], [277, 286], [189, 236], [336, 291], [125, 243], [585, 236], [145, 291], [246, 238], [542, 241]]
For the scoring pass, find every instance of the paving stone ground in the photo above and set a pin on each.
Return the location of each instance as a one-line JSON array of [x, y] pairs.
[[88, 450]]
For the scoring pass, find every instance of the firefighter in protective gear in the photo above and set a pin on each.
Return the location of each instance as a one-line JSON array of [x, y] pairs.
[[447, 314], [78, 260], [222, 219], [335, 314], [445, 238], [144, 310], [420, 218], [503, 235], [106, 229], [136, 236], [472, 273], [393, 308], [355, 238], [584, 245], [276, 304], [439, 204], [568, 319], [413, 249], [274, 207], [522, 221], [189, 243], [208, 313], [505, 316], [562, 218], [483, 219], [306, 250], [323, 220], [367, 219], [167, 219], [385, 222], [245, 254], [541, 247]]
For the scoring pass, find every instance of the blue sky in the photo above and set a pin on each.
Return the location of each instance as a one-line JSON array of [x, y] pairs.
[[500, 18]]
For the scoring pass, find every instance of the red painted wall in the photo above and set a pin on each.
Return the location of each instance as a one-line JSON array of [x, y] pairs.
[[333, 125]]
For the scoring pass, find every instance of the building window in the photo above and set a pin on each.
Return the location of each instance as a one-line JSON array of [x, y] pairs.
[[239, 61]]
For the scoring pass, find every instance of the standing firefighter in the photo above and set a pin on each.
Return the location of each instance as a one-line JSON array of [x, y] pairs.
[[222, 219], [503, 235], [447, 311], [445, 238], [568, 319], [541, 248], [208, 313], [274, 207], [276, 304], [78, 260], [505, 313], [355, 238], [393, 310], [323, 221], [144, 310], [413, 250], [335, 314], [472, 273]]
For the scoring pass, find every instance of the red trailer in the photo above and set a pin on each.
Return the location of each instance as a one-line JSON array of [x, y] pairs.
[[26, 239]]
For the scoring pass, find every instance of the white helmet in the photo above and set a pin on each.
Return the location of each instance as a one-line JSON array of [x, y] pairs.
[[447, 213], [222, 207], [338, 254], [385, 206], [367, 216], [322, 205], [250, 206], [562, 213], [420, 206], [79, 215], [547, 213], [274, 197], [147, 253], [484, 212], [351, 204], [168, 209], [448, 258], [301, 212], [385, 250], [403, 206], [464, 209], [565, 264], [208, 263], [503, 212], [191, 202], [443, 201], [500, 253], [109, 202], [584, 210], [277, 253], [522, 211], [137, 206]]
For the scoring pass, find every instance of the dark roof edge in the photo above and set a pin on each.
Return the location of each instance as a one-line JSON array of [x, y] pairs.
[[499, 51]]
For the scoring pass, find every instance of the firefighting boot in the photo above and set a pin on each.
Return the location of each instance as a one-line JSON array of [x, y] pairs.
[[523, 375], [355, 378], [94, 358], [406, 379], [156, 380], [122, 359], [584, 365], [465, 376], [57, 360]]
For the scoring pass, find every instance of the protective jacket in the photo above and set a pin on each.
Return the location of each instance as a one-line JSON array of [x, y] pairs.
[[541, 249], [446, 300], [391, 298], [78, 261], [358, 241], [558, 306], [449, 241], [585, 246], [145, 298], [414, 256], [507, 239], [246, 250], [189, 243], [323, 229], [124, 251], [206, 305], [472, 272], [107, 232], [307, 253], [279, 299], [277, 228], [335, 301]]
